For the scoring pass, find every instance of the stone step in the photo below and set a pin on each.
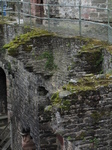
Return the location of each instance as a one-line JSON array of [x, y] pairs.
[[7, 145], [3, 117], [5, 139], [3, 120], [2, 127], [2, 123]]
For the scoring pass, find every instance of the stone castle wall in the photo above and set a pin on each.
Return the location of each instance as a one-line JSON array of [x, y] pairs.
[[87, 122], [87, 13], [94, 10]]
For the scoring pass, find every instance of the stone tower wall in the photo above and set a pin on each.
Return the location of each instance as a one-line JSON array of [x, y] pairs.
[[87, 124]]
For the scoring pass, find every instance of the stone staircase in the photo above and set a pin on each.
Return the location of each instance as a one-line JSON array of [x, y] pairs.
[[4, 133]]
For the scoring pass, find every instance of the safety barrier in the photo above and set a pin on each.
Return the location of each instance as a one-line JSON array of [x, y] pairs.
[[63, 25]]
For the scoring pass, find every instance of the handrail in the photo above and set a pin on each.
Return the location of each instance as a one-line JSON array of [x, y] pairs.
[[19, 14]]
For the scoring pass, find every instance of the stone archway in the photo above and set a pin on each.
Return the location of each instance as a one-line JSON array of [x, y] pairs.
[[3, 93]]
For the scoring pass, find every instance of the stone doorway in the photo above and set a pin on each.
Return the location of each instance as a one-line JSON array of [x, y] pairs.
[[41, 9], [3, 93], [37, 10]]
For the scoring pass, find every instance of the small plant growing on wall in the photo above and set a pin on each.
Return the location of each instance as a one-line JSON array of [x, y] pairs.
[[69, 138], [50, 60], [94, 142]]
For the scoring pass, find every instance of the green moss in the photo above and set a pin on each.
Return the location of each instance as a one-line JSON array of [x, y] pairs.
[[56, 101], [93, 45], [68, 44], [6, 19], [85, 40], [99, 61], [69, 138], [27, 27], [65, 105], [48, 108], [50, 60], [96, 116], [23, 39], [27, 48], [91, 52], [89, 44], [109, 49], [3, 20], [9, 67], [81, 136], [87, 84], [95, 142], [69, 68]]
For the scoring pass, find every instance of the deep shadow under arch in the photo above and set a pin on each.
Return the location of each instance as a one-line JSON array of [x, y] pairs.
[[3, 93]]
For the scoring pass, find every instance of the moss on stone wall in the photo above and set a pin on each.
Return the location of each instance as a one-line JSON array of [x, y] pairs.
[[24, 39], [6, 20], [92, 45], [50, 60], [91, 52], [59, 103], [89, 45], [88, 83]]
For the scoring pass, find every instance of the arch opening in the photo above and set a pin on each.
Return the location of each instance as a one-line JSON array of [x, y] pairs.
[[3, 93]]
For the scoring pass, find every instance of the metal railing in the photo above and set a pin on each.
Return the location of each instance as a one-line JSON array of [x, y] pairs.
[[78, 26]]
